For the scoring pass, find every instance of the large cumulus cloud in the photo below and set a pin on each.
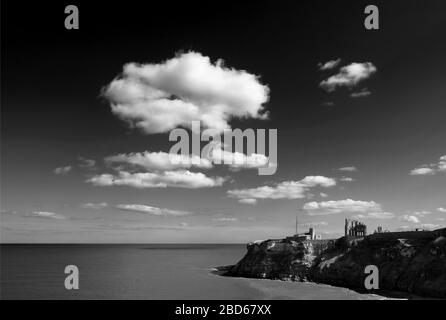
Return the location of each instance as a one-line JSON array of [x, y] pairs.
[[159, 97]]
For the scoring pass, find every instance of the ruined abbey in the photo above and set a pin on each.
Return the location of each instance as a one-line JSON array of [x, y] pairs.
[[355, 228]]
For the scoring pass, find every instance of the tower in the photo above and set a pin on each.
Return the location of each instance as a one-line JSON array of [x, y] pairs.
[[311, 232]]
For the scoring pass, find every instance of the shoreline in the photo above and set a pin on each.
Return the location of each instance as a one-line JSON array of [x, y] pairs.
[[223, 271]]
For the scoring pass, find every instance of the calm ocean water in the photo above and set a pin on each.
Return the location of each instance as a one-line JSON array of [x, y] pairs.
[[135, 271]]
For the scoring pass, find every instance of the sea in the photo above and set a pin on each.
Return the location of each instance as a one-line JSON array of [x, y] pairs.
[[144, 271]]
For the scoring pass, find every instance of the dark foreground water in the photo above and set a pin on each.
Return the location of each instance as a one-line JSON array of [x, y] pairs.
[[136, 271]]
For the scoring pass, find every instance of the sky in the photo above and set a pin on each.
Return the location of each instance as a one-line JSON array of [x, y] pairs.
[[86, 116]]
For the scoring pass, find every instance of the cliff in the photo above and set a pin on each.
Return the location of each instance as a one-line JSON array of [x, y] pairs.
[[414, 264], [279, 259]]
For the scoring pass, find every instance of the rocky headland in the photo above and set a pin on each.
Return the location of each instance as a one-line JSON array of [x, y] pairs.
[[411, 262]]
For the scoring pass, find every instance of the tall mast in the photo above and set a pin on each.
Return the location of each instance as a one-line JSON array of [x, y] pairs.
[[296, 224]]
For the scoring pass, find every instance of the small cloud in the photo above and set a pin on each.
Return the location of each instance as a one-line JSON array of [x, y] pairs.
[[86, 163], [46, 215], [283, 190], [348, 169], [331, 64], [62, 170], [152, 210], [338, 206], [409, 218], [363, 209], [441, 210], [248, 201], [430, 169], [323, 195], [139, 227], [422, 172], [9, 212], [421, 213], [347, 179], [328, 104], [404, 228], [349, 76], [225, 219], [359, 94], [314, 224], [375, 215], [95, 206]]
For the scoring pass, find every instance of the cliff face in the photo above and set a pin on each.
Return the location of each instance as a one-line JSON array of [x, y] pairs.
[[411, 265], [416, 266], [285, 260]]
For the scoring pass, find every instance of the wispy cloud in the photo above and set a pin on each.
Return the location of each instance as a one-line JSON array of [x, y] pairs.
[[139, 227], [95, 206], [46, 215], [430, 169], [282, 190], [62, 170], [158, 160], [248, 201], [314, 224], [348, 169], [363, 209], [375, 215], [86, 163], [226, 219], [422, 171], [409, 218], [35, 214], [421, 213], [331, 64], [349, 76], [162, 161], [361, 93], [338, 206], [152, 210], [141, 180]]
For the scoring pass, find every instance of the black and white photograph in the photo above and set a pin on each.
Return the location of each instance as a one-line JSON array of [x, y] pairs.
[[250, 151]]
